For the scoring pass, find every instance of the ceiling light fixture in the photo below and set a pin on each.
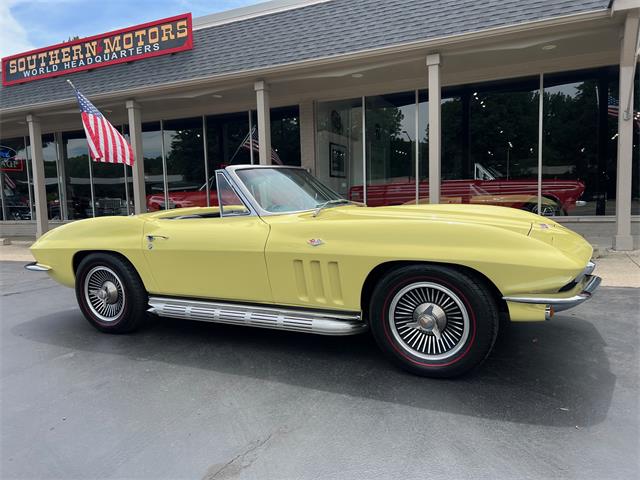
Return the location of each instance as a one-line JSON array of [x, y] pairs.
[[357, 75], [549, 46], [216, 95]]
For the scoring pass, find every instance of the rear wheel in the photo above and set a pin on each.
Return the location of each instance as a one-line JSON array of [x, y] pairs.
[[433, 320], [110, 293]]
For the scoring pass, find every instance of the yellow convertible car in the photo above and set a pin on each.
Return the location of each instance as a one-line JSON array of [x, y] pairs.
[[282, 251]]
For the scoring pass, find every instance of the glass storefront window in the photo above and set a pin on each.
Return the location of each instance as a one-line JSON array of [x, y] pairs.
[[184, 157], [226, 135], [391, 134], [14, 180], [423, 146], [396, 131], [285, 134], [454, 113], [489, 152], [579, 144], [55, 209], [339, 147], [109, 188], [153, 166], [491, 148], [77, 170]]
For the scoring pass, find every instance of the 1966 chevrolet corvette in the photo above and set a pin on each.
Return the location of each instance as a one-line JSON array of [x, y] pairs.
[[283, 251]]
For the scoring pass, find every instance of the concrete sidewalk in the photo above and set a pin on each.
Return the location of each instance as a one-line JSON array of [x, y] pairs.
[[617, 269]]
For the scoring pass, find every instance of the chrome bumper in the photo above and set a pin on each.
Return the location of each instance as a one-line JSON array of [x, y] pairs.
[[37, 267], [559, 304]]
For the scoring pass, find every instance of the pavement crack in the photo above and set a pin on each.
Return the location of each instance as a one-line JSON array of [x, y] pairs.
[[238, 463], [631, 258]]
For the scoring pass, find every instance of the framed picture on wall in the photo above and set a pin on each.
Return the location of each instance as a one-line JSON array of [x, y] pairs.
[[337, 160]]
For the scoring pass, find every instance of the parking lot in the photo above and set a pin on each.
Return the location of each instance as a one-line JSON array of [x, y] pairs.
[[194, 400]]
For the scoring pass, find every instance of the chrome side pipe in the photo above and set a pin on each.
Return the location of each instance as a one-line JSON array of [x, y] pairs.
[[295, 320]]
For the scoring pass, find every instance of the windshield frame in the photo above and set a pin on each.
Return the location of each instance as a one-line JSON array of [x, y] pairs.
[[239, 184]]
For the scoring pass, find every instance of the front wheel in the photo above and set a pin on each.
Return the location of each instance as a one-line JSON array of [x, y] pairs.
[[433, 320], [110, 293]]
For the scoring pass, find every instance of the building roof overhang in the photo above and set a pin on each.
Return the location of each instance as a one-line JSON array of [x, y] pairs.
[[291, 70]]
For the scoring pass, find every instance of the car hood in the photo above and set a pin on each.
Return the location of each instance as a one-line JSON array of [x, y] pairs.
[[500, 217], [539, 228]]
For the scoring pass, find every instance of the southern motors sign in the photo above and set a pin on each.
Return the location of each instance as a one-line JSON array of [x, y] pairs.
[[142, 41]]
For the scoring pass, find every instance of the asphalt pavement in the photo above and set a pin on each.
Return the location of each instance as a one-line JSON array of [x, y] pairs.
[[194, 400]]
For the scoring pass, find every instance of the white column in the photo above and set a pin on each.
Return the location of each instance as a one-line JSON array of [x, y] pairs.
[[264, 122], [135, 137], [37, 170], [435, 95], [623, 239], [307, 135]]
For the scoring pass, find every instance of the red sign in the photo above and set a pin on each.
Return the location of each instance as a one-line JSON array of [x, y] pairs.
[[160, 37], [8, 160]]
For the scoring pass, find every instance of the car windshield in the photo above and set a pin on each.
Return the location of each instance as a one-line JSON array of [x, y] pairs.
[[281, 190]]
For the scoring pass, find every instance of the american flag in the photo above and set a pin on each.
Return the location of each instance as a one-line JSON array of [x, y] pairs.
[[613, 108], [106, 144], [252, 140]]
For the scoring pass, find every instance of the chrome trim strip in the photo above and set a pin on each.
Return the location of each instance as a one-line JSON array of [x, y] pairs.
[[37, 267], [588, 270], [296, 320], [560, 304], [236, 186]]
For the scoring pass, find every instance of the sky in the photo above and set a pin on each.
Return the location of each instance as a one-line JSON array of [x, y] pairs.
[[29, 24]]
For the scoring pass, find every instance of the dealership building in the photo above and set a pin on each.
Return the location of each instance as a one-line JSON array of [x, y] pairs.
[[525, 104]]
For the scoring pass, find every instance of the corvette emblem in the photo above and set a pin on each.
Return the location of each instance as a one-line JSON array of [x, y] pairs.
[[314, 242]]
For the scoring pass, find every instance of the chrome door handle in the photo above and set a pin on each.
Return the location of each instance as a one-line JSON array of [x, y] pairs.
[[151, 238]]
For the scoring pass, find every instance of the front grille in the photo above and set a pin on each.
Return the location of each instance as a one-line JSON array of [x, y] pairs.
[[568, 286]]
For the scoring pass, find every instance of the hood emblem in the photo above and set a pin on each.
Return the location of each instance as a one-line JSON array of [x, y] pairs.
[[315, 242], [544, 226]]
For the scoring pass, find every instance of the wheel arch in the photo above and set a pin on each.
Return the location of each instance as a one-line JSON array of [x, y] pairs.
[[82, 254], [383, 269]]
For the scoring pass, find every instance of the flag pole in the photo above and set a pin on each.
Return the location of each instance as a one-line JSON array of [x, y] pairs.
[[71, 83], [239, 147]]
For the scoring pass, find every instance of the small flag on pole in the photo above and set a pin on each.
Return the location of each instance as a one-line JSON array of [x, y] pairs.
[[106, 143], [613, 109], [252, 141], [8, 181]]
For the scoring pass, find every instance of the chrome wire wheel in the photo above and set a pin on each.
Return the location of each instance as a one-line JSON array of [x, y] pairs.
[[429, 321], [104, 293]]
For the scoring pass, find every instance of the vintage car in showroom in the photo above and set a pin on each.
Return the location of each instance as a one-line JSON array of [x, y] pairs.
[[488, 187], [431, 282]]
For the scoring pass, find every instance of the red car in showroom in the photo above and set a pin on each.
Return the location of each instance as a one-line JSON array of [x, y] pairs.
[[183, 196], [488, 187]]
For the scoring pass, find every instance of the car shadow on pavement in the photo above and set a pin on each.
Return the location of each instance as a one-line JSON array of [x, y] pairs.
[[543, 374]]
